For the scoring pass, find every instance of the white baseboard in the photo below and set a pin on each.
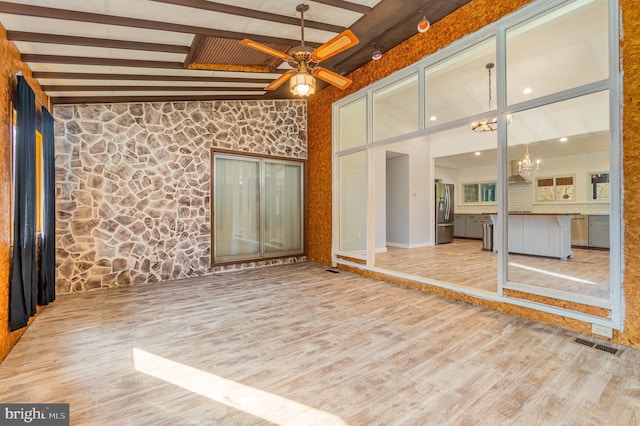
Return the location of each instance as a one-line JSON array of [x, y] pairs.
[[408, 246]]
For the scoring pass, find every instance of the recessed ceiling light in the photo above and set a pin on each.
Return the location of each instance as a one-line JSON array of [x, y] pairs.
[[477, 153], [527, 90], [563, 139], [433, 118]]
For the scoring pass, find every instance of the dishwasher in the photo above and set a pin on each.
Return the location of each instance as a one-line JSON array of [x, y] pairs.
[[580, 231]]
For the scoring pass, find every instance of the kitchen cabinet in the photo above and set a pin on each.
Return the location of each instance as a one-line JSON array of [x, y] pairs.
[[459, 225], [540, 234], [470, 225], [474, 225], [599, 231]]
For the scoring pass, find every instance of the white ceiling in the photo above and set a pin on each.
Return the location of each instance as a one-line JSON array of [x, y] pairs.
[[543, 150], [176, 23]]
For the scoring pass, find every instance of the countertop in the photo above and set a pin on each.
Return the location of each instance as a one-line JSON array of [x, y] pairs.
[[536, 214]]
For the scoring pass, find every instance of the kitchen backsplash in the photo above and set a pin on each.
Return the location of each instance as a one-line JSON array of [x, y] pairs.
[[521, 199]]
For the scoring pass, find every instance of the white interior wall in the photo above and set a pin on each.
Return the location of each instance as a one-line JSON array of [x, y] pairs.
[[422, 193], [446, 174], [380, 193], [397, 203], [459, 141], [416, 194]]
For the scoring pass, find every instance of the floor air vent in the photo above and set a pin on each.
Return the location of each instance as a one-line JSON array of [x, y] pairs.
[[600, 347], [333, 271], [585, 342], [606, 348]]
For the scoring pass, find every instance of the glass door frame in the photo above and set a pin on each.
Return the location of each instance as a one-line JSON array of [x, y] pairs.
[[261, 160]]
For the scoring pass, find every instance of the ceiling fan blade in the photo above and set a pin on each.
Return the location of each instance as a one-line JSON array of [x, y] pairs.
[[331, 77], [339, 43], [265, 49], [280, 80]]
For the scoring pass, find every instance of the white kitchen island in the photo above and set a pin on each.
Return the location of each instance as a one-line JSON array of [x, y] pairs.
[[539, 234]]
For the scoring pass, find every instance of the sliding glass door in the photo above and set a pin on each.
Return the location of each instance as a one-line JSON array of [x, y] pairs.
[[237, 208], [257, 207], [283, 207]]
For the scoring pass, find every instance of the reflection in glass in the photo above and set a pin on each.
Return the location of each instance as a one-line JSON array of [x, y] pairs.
[[237, 207], [541, 254], [564, 49], [353, 202]]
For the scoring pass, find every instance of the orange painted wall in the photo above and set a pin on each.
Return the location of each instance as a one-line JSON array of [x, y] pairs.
[[467, 20], [10, 64]]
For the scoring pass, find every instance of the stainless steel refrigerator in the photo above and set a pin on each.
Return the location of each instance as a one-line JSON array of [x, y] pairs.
[[444, 213]]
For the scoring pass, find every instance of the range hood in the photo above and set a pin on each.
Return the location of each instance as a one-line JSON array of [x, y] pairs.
[[515, 176]]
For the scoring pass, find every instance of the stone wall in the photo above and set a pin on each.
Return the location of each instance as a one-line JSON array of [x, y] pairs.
[[133, 182]]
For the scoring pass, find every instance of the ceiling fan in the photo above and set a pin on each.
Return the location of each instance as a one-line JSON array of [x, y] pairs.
[[305, 60]]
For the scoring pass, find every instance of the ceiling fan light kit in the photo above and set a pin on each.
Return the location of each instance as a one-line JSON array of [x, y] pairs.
[[304, 60], [302, 83]]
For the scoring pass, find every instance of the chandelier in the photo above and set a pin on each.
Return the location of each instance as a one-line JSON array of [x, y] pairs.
[[526, 166], [490, 124]]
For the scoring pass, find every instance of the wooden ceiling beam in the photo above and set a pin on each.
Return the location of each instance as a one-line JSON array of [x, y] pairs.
[[94, 42], [252, 13], [143, 77], [347, 5], [124, 99], [96, 18], [107, 62], [102, 88]]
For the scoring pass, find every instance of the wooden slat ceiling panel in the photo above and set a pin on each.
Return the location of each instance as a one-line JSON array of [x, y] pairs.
[[215, 50]]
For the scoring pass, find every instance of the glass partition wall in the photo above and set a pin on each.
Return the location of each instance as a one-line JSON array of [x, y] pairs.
[[520, 121], [552, 249]]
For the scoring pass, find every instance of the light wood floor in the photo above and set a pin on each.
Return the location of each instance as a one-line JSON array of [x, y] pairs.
[[295, 344], [464, 263]]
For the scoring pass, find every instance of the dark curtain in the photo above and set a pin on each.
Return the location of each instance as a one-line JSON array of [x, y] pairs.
[[47, 260], [22, 291]]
